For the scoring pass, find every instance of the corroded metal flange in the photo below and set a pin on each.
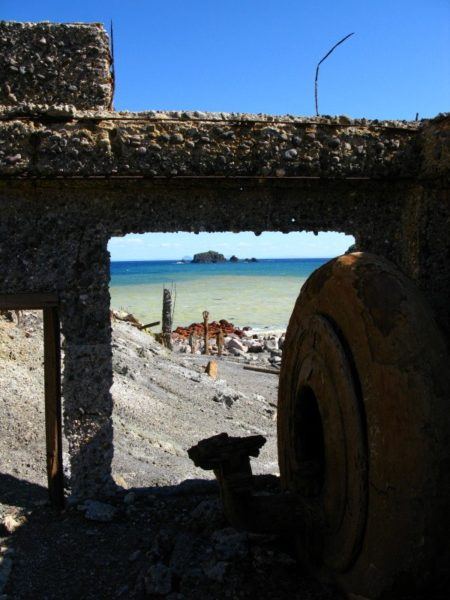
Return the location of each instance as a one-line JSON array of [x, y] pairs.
[[363, 423], [328, 436]]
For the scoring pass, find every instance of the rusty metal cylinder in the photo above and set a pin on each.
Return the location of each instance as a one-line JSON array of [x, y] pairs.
[[364, 428]]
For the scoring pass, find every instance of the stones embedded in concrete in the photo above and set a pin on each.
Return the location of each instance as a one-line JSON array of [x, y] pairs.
[[108, 144], [436, 147], [55, 64]]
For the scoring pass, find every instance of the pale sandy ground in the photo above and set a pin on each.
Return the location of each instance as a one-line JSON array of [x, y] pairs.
[[163, 404]]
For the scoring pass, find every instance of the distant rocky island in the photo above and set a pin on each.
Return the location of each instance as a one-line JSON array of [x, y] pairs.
[[236, 259], [209, 257], [215, 257]]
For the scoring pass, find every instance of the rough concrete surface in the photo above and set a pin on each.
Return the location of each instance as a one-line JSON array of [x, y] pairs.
[[46, 63], [183, 144]]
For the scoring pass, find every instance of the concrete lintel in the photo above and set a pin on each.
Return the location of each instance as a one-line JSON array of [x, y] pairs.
[[230, 146]]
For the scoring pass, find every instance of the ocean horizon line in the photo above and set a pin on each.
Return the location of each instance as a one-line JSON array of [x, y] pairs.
[[241, 259], [258, 294]]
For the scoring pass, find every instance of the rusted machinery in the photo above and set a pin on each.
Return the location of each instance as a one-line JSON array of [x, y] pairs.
[[363, 434]]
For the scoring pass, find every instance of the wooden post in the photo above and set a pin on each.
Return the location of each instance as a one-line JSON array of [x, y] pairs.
[[192, 342], [52, 377], [167, 319], [220, 341], [205, 333]]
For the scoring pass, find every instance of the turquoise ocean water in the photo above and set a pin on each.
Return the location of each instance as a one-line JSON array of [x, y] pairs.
[[261, 295]]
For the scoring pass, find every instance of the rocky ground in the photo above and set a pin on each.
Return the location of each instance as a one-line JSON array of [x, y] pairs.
[[163, 535], [164, 402], [246, 345]]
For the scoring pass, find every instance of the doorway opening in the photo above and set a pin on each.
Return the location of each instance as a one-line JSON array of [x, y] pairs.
[[49, 305]]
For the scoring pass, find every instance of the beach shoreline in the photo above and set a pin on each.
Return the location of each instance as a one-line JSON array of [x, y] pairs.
[[246, 345], [261, 295]]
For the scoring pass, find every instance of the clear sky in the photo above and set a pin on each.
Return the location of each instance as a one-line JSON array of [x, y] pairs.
[[260, 56], [244, 245]]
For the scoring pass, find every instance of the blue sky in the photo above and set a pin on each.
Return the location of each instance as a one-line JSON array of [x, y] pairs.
[[260, 56], [244, 245]]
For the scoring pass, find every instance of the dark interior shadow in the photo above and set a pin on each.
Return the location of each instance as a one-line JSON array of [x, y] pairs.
[[19, 492], [94, 560], [268, 483]]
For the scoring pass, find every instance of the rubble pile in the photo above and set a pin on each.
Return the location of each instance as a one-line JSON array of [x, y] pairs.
[[214, 328], [243, 345]]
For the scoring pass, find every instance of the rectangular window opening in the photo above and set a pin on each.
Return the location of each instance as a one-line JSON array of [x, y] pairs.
[[164, 401]]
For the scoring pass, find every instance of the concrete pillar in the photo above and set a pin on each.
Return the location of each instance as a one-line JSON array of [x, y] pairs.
[[87, 376]]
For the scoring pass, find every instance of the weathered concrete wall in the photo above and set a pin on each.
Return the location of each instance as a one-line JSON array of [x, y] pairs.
[[54, 235], [211, 145], [70, 179], [47, 64]]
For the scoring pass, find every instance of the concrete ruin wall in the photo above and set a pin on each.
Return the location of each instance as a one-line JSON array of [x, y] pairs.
[[43, 64], [73, 174], [183, 144]]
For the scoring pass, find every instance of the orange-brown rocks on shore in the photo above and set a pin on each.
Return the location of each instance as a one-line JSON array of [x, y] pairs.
[[213, 328]]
